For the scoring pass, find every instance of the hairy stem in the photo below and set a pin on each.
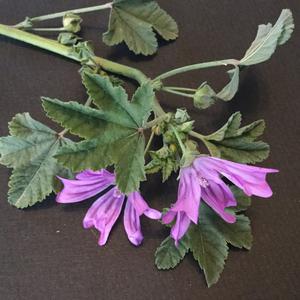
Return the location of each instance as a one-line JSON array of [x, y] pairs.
[[197, 67], [177, 92], [55, 47], [197, 135], [182, 147], [47, 29], [149, 143], [156, 121], [61, 14]]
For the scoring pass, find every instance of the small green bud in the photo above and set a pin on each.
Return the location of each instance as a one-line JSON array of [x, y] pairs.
[[71, 22], [173, 148], [156, 129], [181, 116], [204, 97]]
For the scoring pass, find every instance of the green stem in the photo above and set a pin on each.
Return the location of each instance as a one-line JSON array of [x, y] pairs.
[[149, 143], [197, 67], [177, 93], [197, 135], [55, 47], [47, 29], [182, 147], [74, 11], [156, 121], [180, 89]]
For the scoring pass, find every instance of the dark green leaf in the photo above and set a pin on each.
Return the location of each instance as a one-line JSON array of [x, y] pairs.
[[168, 256], [113, 133], [209, 248], [238, 144], [133, 21], [237, 234], [243, 201], [30, 151]]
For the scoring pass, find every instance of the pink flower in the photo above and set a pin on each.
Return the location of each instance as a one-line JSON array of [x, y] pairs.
[[106, 209], [202, 180]]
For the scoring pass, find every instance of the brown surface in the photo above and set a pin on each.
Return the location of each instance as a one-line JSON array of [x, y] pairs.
[[45, 253]]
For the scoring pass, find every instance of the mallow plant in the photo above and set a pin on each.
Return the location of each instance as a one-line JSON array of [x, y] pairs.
[[112, 150]]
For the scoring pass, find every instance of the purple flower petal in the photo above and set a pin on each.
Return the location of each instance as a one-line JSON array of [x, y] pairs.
[[217, 198], [104, 213], [86, 185], [181, 226], [135, 207], [132, 224], [189, 194], [252, 180]]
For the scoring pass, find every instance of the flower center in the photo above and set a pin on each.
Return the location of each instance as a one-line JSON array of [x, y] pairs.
[[203, 182]]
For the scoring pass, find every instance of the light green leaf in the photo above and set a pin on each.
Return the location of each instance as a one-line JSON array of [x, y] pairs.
[[22, 125], [32, 183], [133, 21], [30, 151], [168, 256], [209, 248], [229, 91], [113, 133], [268, 38], [16, 152], [68, 38], [238, 144]]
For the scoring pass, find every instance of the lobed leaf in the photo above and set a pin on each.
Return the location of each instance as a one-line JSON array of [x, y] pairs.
[[30, 151], [113, 133], [168, 256], [210, 250], [238, 144], [133, 21]]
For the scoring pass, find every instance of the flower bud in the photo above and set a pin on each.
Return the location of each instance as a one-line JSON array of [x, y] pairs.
[[204, 97], [71, 22]]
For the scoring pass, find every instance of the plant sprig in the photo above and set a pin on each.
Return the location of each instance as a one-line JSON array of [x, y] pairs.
[[112, 128]]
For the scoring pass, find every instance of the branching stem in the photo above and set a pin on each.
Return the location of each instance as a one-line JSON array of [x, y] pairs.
[[74, 11]]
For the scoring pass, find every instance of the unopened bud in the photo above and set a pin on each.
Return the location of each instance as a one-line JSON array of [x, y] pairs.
[[71, 22]]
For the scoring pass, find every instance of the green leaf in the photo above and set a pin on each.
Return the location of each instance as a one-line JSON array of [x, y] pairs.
[[22, 125], [16, 152], [83, 51], [113, 133], [133, 21], [68, 38], [168, 256], [243, 201], [238, 144], [32, 183], [268, 38], [229, 91], [237, 234], [209, 248], [208, 241], [30, 151]]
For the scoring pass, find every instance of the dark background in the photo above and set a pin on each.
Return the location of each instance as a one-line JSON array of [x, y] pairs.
[[44, 251]]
